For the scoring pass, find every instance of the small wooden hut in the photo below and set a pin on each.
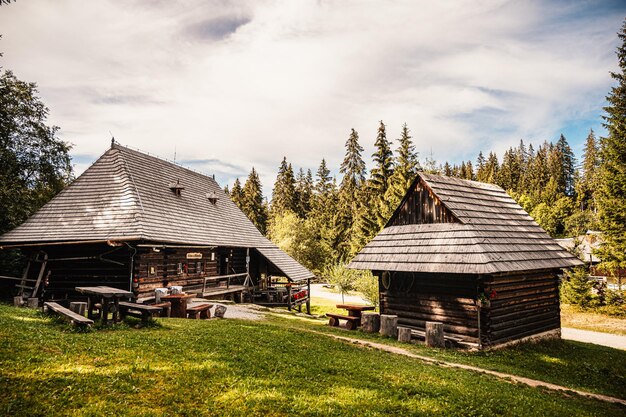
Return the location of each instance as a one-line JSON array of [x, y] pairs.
[[134, 221], [466, 254]]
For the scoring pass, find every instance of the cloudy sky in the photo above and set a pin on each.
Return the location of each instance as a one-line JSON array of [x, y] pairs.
[[230, 85]]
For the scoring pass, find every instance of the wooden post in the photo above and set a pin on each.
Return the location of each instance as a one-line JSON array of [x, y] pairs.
[[289, 297], [78, 307], [308, 296], [389, 325], [370, 322], [18, 301], [404, 334], [33, 302], [434, 334], [220, 310]]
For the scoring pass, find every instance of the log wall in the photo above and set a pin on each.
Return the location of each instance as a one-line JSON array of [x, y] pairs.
[[65, 274], [418, 297], [171, 267], [526, 303]]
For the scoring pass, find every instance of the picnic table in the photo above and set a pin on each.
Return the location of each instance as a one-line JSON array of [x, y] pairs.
[[353, 319], [179, 304], [355, 310], [109, 300]]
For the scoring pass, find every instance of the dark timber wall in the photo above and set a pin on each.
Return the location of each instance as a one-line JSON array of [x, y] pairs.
[[419, 297], [71, 266], [526, 303], [420, 207]]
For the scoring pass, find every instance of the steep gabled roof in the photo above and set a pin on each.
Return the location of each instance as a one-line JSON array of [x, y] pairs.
[[126, 195], [492, 234]]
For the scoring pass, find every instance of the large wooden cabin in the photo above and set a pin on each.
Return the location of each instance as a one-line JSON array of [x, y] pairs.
[[137, 222], [466, 254]]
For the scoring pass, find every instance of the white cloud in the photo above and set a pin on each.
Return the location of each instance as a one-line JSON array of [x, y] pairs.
[[247, 83]]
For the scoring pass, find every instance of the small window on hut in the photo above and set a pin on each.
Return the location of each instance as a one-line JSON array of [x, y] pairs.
[[152, 271], [199, 267], [181, 268]]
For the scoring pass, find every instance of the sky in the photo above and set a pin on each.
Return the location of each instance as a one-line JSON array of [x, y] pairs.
[[223, 86]]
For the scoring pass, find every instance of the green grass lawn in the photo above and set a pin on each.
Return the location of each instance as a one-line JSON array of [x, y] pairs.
[[235, 367]]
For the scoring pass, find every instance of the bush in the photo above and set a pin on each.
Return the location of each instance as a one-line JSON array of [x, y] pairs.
[[367, 284], [576, 288]]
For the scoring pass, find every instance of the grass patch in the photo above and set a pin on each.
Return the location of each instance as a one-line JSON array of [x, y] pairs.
[[572, 316], [239, 368], [572, 364]]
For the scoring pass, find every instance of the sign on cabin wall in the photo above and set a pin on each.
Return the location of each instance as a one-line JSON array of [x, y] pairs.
[[194, 255]]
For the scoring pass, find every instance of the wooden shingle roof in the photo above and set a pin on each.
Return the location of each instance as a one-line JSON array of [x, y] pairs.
[[125, 195], [493, 234]]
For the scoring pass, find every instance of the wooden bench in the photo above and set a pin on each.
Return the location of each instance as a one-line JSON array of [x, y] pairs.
[[68, 314], [166, 308], [142, 311], [199, 311], [351, 322]]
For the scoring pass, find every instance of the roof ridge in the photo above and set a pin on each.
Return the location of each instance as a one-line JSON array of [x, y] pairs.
[[128, 172]]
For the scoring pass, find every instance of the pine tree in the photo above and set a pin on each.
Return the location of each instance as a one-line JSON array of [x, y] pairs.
[[447, 170], [612, 172], [406, 166], [353, 170], [252, 204], [236, 194], [492, 168], [568, 164], [380, 176], [481, 165], [509, 173], [353, 166], [383, 163], [284, 194], [324, 184], [303, 192], [586, 185]]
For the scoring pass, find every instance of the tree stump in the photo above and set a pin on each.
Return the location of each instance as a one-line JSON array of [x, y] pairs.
[[33, 302], [404, 334], [18, 301], [78, 307], [220, 310], [434, 334], [370, 322], [389, 325]]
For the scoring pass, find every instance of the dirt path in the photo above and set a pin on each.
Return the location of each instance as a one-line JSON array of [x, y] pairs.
[[605, 339], [318, 290], [501, 375]]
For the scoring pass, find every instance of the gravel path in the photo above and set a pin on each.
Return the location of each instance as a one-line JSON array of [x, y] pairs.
[[597, 338]]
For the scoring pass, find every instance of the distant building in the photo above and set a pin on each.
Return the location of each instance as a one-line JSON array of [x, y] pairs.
[[466, 254]]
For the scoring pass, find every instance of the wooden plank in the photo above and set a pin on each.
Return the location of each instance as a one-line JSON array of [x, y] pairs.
[[68, 314]]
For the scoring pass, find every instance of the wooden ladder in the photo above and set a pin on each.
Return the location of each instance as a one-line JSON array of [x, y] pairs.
[[26, 288]]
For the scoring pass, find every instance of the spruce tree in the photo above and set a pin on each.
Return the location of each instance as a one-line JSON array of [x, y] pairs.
[[492, 169], [252, 204], [236, 194], [481, 165], [447, 169], [324, 184], [304, 192], [586, 186], [284, 194], [568, 165], [612, 172], [353, 170], [406, 167], [380, 177], [383, 163]]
